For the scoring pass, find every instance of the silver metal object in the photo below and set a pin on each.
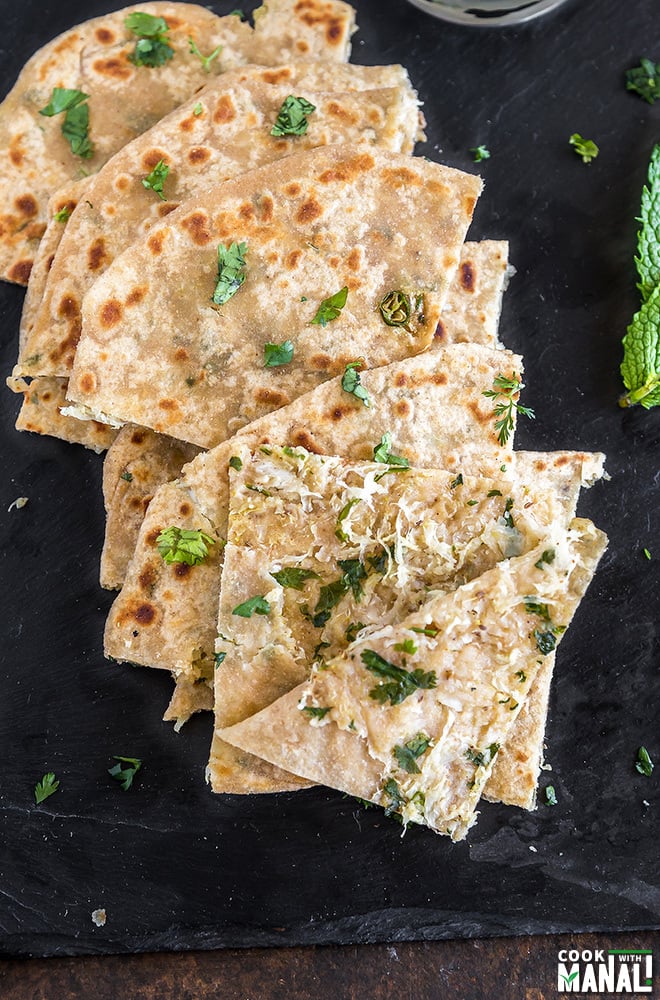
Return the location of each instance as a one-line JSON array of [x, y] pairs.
[[487, 13]]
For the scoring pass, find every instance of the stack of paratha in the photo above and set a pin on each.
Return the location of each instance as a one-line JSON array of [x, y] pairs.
[[360, 576]]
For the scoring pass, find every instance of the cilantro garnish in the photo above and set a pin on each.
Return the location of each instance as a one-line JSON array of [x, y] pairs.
[[644, 80], [184, 545], [391, 789], [550, 795], [219, 658], [257, 605], [408, 754], [206, 60], [276, 355], [429, 631], [545, 641], [235, 463], [331, 594], [644, 764], [456, 482], [547, 557], [352, 631], [482, 758], [63, 215], [125, 775], [343, 514], [155, 179], [75, 126], [331, 307], [380, 562], [521, 675], [46, 787], [506, 388], [197, 110], [292, 117], [646, 554], [383, 454], [402, 683], [350, 382], [585, 148], [153, 48], [480, 153], [354, 573], [535, 607], [231, 273], [294, 577], [127, 476], [316, 713], [407, 646]]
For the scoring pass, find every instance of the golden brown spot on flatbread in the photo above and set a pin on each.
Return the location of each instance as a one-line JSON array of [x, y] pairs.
[[155, 242], [440, 332], [436, 187], [401, 379], [562, 460], [136, 295], [348, 170], [292, 260], [339, 412], [181, 354], [46, 396], [181, 570], [375, 116], [448, 261], [151, 158], [173, 22], [439, 378], [276, 75], [187, 124], [97, 257], [145, 614], [122, 182], [402, 408], [353, 284], [68, 307], [540, 465], [26, 205], [333, 32], [105, 36], [198, 154], [16, 151], [185, 509], [401, 177], [164, 210], [152, 536], [137, 437], [270, 397], [20, 271], [246, 211], [320, 362], [302, 46], [168, 404], [266, 207], [103, 355], [469, 202], [478, 414], [111, 313], [224, 110], [338, 110], [467, 276], [116, 67], [303, 439], [197, 224], [272, 257], [35, 230], [354, 258], [69, 42], [147, 578], [49, 262], [309, 210], [293, 189], [88, 382]]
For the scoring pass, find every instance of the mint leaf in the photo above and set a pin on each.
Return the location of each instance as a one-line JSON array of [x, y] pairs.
[[640, 368], [644, 80], [648, 238]]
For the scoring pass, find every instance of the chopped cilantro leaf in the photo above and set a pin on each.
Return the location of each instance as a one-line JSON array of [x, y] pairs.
[[494, 493], [429, 630], [235, 463], [61, 100], [506, 516], [352, 631], [206, 60], [644, 80], [391, 789], [197, 110], [153, 48], [331, 307], [550, 796], [354, 573], [125, 775], [276, 355], [408, 754], [383, 454], [407, 646], [547, 557], [506, 388], [127, 476], [155, 179], [292, 117], [316, 713], [219, 658], [46, 787], [644, 764], [343, 514], [480, 153], [331, 594], [481, 758], [585, 148], [294, 577], [402, 683], [184, 545], [231, 271], [545, 641], [257, 605], [456, 482], [63, 215], [534, 607], [351, 382], [75, 126]]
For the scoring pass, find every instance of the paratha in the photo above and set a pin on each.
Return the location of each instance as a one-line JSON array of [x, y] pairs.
[[453, 697], [333, 221], [126, 99], [41, 413]]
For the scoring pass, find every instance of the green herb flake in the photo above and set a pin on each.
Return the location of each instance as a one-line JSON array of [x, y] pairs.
[[351, 382], [507, 516], [257, 605], [482, 758], [521, 675], [383, 454], [219, 658], [276, 355], [294, 577], [494, 493], [550, 795], [407, 646], [235, 463], [258, 489], [343, 514], [456, 482], [428, 630], [45, 788], [125, 775], [505, 389], [644, 80], [646, 553], [75, 126], [231, 271], [480, 153], [408, 754], [352, 631], [316, 713], [153, 48], [380, 562], [585, 148], [197, 110], [644, 764], [184, 545], [154, 181], [206, 60], [127, 476], [401, 682], [317, 656], [237, 13], [331, 307], [472, 503], [61, 100], [536, 607], [397, 801], [545, 641], [547, 557], [354, 574], [63, 215], [292, 117]]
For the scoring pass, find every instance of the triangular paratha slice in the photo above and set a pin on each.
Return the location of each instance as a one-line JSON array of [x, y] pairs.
[[365, 225], [425, 705]]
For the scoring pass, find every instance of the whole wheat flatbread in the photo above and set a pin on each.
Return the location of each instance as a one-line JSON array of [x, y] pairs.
[[314, 223], [482, 677], [41, 413], [124, 99]]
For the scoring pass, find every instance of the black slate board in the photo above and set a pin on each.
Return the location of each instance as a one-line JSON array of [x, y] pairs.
[[176, 867]]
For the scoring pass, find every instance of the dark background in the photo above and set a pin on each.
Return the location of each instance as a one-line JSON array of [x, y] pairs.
[[176, 867]]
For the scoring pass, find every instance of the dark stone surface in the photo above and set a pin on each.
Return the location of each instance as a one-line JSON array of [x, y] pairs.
[[177, 868]]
